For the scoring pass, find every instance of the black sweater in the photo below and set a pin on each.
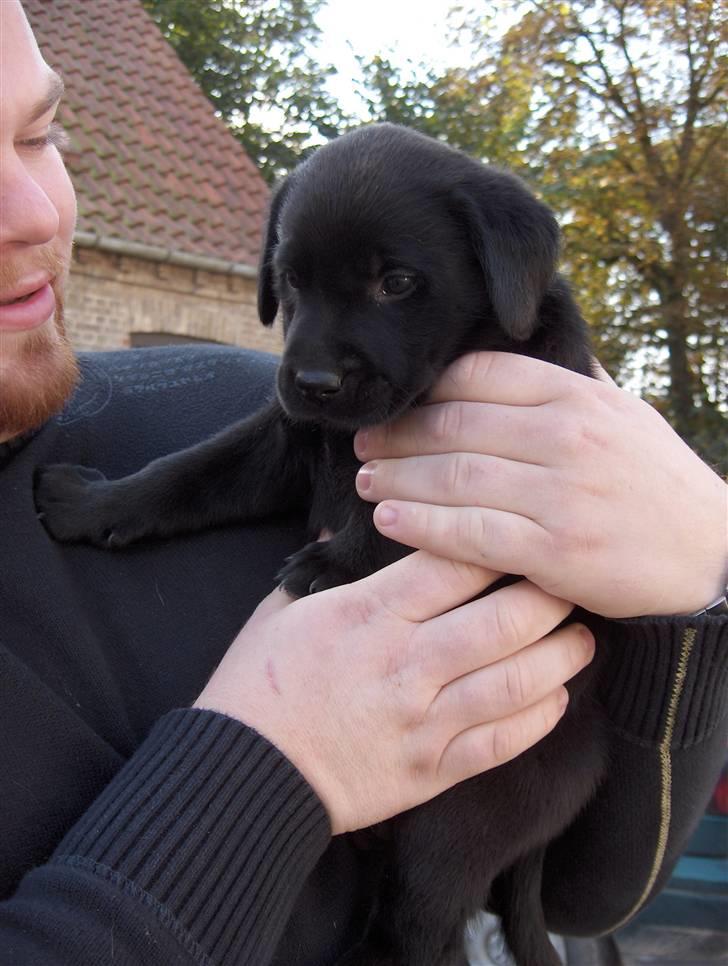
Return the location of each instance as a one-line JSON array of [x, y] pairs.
[[136, 830]]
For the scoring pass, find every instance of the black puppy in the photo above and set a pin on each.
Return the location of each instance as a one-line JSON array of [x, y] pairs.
[[390, 255]]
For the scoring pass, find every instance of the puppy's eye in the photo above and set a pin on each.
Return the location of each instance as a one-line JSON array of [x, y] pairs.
[[398, 284], [291, 278]]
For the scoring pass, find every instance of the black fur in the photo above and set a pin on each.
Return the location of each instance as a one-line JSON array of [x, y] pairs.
[[389, 255]]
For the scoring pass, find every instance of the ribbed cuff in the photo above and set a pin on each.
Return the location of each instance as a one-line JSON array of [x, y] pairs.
[[652, 667], [215, 824]]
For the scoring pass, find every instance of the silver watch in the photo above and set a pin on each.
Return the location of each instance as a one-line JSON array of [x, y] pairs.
[[717, 609]]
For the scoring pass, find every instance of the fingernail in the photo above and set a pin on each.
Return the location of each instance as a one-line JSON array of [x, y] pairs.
[[361, 439], [364, 477], [386, 516]]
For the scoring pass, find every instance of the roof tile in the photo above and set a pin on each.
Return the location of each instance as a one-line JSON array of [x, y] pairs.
[[150, 160]]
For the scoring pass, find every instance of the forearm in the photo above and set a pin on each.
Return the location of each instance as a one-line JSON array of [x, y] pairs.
[[663, 684], [195, 852]]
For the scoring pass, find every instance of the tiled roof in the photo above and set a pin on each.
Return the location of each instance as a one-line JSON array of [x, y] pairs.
[[150, 161]]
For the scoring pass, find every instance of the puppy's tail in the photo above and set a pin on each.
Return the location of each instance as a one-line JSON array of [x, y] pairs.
[[523, 923]]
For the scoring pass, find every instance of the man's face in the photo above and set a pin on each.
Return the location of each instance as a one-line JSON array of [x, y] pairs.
[[38, 369]]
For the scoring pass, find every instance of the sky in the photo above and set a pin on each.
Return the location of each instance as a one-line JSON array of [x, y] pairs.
[[413, 30]]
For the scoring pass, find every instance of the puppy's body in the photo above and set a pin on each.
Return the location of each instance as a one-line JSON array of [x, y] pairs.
[[390, 256]]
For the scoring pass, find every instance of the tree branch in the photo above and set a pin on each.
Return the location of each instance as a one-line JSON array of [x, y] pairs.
[[705, 154], [642, 125]]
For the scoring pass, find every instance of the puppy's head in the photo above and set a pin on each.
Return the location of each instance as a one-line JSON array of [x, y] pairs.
[[389, 255]]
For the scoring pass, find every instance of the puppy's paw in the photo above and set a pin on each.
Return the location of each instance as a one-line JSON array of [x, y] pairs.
[[312, 569], [79, 505]]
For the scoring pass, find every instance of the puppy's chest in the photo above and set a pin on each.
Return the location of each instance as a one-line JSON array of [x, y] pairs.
[[334, 495]]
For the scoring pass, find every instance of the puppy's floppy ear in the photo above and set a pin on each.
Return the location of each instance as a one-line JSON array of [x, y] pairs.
[[267, 298], [516, 241]]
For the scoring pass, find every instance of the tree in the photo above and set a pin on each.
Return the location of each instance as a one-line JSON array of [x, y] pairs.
[[615, 111], [254, 59]]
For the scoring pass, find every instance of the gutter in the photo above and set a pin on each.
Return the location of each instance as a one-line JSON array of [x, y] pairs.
[[87, 239]]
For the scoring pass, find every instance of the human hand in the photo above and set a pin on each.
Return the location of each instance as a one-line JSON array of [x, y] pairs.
[[383, 695], [528, 468]]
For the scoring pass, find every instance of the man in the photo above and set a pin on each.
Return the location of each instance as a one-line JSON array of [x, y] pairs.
[[145, 817]]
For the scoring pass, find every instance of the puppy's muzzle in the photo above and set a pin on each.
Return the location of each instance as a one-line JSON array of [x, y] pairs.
[[317, 384]]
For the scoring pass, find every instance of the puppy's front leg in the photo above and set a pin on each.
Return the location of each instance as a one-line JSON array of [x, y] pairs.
[[254, 467], [353, 552]]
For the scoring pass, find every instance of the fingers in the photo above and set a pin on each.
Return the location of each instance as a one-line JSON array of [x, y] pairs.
[[487, 631], [499, 690], [485, 537], [422, 586], [487, 399], [514, 432], [506, 378], [457, 479], [488, 745]]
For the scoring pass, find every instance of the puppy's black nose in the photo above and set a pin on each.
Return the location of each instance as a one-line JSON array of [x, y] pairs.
[[316, 383]]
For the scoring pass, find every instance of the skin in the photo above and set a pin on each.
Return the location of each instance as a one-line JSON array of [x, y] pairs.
[[417, 696], [37, 218], [394, 677], [583, 488]]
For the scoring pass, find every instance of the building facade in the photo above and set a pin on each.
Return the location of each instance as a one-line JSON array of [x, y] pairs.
[[170, 207]]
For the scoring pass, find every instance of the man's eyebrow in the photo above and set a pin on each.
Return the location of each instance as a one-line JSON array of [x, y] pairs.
[[53, 94]]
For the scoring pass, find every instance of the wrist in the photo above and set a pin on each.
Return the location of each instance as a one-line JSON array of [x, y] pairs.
[[687, 591], [717, 608], [709, 598], [702, 556]]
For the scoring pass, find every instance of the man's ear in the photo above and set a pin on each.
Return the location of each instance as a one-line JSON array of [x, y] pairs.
[[516, 242], [267, 298]]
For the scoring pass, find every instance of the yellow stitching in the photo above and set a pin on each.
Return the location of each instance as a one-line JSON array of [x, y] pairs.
[[665, 775]]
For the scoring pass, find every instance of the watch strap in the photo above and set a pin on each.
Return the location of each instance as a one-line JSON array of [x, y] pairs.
[[718, 608]]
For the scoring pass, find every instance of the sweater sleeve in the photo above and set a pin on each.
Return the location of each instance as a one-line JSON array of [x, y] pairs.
[[663, 683], [194, 853]]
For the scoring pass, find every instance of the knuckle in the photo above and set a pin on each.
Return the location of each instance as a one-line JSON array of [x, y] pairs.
[[566, 438], [459, 571], [470, 367], [584, 430], [431, 524], [472, 530], [572, 540], [502, 742], [505, 622], [516, 685], [461, 700], [355, 607], [458, 472], [445, 421]]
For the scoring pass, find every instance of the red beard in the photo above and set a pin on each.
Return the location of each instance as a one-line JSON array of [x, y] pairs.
[[38, 368]]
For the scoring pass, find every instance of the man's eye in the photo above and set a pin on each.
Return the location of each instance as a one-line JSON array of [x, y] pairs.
[[55, 137], [398, 284]]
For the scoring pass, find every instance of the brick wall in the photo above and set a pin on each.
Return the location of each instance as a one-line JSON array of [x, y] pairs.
[[112, 296]]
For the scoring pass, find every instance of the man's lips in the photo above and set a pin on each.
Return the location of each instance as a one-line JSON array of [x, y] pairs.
[[35, 307]]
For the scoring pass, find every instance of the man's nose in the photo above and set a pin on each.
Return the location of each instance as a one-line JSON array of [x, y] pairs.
[[27, 214]]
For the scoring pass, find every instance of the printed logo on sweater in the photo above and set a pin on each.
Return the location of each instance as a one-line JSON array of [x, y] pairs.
[[173, 370], [139, 372], [92, 394]]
